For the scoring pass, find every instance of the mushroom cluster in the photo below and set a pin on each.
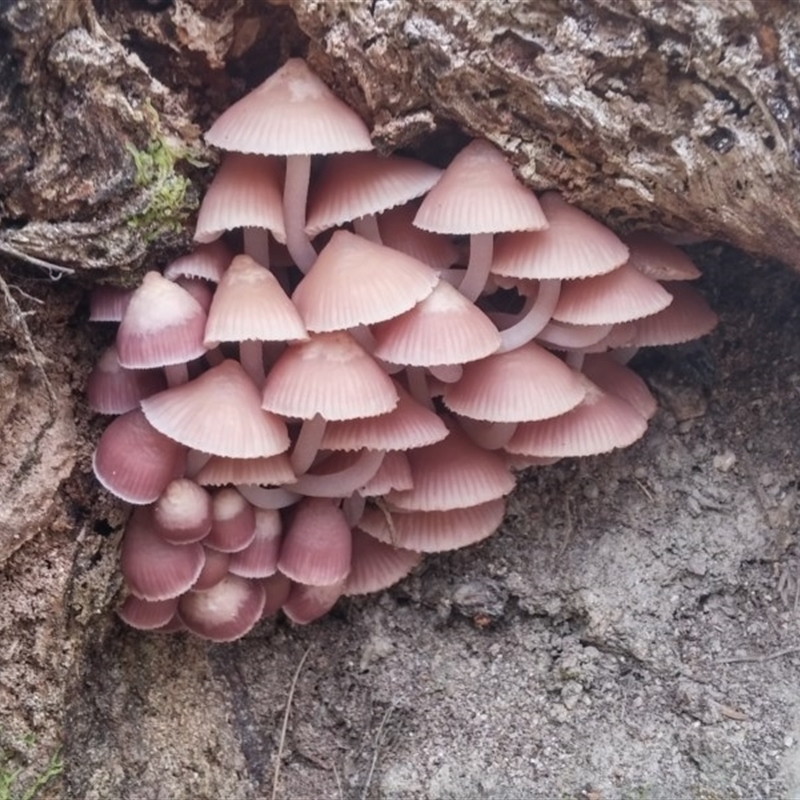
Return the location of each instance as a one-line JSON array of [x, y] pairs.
[[346, 372]]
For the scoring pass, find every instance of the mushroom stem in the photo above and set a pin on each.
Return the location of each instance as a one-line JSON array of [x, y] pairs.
[[447, 373], [195, 461], [481, 246], [418, 386], [176, 374], [367, 226], [343, 483], [363, 335], [256, 245], [307, 444], [353, 508], [268, 498], [295, 195], [572, 337], [574, 359], [251, 356], [622, 355], [533, 319]]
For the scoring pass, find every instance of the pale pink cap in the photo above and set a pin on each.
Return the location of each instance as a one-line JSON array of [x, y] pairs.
[[277, 587], [521, 385], [147, 615], [435, 531], [214, 570], [233, 521], [112, 389], [453, 473], [658, 259], [250, 304], [260, 558], [200, 414], [616, 378], [398, 232], [478, 193], [108, 303], [574, 246], [602, 422], [355, 185], [393, 473], [408, 425], [291, 113], [330, 375], [376, 565], [445, 328], [317, 545], [246, 193], [226, 611], [619, 296], [183, 512], [207, 262], [687, 317], [136, 462], [358, 282], [163, 324], [153, 568]]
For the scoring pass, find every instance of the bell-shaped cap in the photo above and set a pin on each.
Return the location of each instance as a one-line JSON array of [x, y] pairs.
[[357, 282], [271, 471], [199, 415], [521, 385], [250, 305], [434, 531], [226, 611], [162, 324], [153, 568], [206, 262], [445, 328], [329, 375], [135, 461], [616, 378], [308, 603], [377, 565], [478, 193], [113, 389], [246, 193], [182, 514], [394, 473], [658, 259], [317, 545], [260, 558], [233, 521], [574, 246], [291, 113], [356, 185], [619, 296], [602, 422], [453, 473], [398, 232], [147, 615]]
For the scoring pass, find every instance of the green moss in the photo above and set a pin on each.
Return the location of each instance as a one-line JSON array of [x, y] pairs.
[[13, 788], [169, 200]]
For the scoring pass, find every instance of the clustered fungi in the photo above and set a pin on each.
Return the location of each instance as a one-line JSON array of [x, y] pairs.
[[296, 426]]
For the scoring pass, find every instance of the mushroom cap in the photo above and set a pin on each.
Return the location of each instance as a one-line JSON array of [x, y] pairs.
[[453, 473], [518, 386], [574, 246], [233, 521], [617, 379], [136, 462], [377, 565], [182, 514], [445, 328], [153, 568], [358, 282], [478, 193], [246, 193], [393, 473], [307, 603], [214, 570], [408, 425], [354, 185], [658, 259], [329, 375], [147, 615], [162, 324], [112, 389], [602, 422], [270, 471], [317, 546], [398, 232], [198, 414], [619, 296], [250, 304], [277, 587], [291, 113], [260, 558], [207, 262], [226, 611], [108, 303], [434, 531]]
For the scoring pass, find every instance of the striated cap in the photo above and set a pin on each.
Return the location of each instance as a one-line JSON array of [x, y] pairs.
[[291, 113]]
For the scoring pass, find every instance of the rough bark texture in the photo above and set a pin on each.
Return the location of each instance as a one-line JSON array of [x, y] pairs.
[[638, 613]]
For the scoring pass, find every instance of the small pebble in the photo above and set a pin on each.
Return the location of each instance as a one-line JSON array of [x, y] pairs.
[[724, 462]]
